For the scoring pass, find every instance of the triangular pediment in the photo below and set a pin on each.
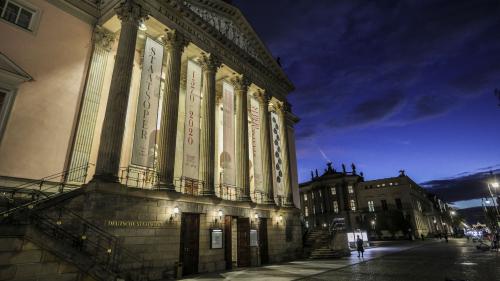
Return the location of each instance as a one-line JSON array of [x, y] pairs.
[[231, 23]]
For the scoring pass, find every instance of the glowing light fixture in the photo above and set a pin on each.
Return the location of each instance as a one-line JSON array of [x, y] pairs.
[[176, 210], [495, 184]]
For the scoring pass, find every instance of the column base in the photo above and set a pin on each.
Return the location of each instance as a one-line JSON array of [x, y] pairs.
[[269, 201], [245, 198], [208, 193], [106, 178], [170, 187]]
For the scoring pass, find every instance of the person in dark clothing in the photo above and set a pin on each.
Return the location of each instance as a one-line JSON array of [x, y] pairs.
[[359, 246], [446, 237], [422, 236]]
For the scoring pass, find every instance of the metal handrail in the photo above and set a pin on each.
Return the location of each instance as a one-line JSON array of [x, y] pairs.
[[37, 193]]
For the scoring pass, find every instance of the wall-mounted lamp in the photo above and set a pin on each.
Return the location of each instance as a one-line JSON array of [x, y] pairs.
[[256, 216], [175, 212], [373, 222], [220, 214]]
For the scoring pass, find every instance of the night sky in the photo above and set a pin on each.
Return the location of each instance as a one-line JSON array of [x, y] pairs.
[[390, 85]]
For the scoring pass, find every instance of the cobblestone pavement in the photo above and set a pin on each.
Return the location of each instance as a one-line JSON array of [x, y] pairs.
[[399, 261], [456, 260]]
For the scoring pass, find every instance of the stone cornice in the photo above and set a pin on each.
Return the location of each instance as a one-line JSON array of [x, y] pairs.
[[207, 37]]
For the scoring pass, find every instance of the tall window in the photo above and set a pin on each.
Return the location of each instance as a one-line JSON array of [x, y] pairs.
[[312, 195], [333, 190], [371, 206], [305, 196], [384, 205], [319, 193], [306, 211], [336, 207], [353, 205], [399, 205], [419, 205], [18, 14], [350, 189]]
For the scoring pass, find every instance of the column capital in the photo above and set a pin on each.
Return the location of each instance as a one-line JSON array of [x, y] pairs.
[[130, 11], [174, 40], [209, 62], [262, 97], [104, 38], [240, 83]]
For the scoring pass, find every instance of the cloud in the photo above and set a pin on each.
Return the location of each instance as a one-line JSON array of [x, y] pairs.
[[371, 110], [465, 186], [345, 56]]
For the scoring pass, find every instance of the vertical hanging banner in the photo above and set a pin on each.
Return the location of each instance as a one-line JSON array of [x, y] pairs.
[[256, 148], [144, 147], [227, 159], [278, 162], [192, 122]]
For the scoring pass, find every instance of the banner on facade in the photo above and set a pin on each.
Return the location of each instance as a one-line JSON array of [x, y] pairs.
[[191, 158], [227, 158], [256, 147], [144, 147], [277, 152]]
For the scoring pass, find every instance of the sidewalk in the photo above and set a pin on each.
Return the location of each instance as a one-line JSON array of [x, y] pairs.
[[305, 268]]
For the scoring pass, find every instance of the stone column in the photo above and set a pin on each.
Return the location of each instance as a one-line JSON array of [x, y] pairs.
[[266, 149], [241, 84], [209, 65], [108, 159], [174, 45], [80, 155], [287, 182]]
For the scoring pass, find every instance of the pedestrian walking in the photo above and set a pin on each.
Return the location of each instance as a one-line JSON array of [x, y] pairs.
[[359, 246], [422, 236]]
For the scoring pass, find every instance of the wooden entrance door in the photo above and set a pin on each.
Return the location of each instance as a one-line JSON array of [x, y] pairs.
[[228, 239], [190, 237], [264, 255], [243, 242]]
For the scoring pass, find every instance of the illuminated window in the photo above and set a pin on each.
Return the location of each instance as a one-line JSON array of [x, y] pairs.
[[16, 13], [306, 211], [319, 193], [336, 207], [350, 189], [353, 205], [321, 206], [305, 197], [419, 205], [390, 183], [333, 190], [371, 206], [312, 195]]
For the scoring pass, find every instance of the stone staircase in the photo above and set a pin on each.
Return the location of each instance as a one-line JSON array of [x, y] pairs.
[[318, 245], [32, 230]]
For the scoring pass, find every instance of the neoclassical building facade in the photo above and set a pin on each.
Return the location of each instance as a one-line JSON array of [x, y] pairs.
[[163, 123]]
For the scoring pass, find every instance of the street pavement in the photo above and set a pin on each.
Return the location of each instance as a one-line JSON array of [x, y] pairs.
[[432, 260]]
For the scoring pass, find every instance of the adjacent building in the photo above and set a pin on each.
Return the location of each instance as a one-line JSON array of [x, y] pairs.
[[385, 208], [168, 123]]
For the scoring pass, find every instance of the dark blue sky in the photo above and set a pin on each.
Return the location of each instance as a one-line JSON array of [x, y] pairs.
[[389, 85]]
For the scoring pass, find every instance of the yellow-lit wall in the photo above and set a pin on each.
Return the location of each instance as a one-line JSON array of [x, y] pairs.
[[38, 132]]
